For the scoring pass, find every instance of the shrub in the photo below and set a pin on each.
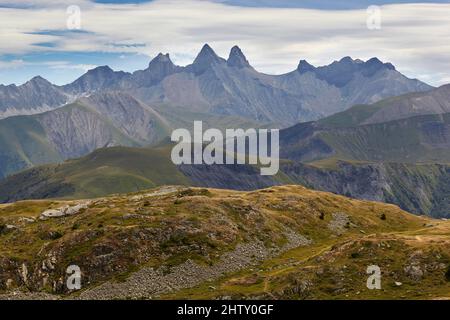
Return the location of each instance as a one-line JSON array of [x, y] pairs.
[[447, 274]]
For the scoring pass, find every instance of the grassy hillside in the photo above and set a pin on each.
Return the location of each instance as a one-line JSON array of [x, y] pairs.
[[416, 139], [23, 143], [357, 114], [105, 171], [175, 242], [350, 117], [412, 140]]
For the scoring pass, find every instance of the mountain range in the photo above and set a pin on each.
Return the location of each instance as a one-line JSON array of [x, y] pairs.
[[404, 160], [378, 135], [108, 108], [77, 163], [214, 86]]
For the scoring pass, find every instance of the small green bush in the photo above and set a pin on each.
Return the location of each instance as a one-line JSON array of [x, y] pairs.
[[447, 274]]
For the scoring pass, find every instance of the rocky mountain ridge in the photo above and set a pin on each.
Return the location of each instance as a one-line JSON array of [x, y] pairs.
[[232, 87]]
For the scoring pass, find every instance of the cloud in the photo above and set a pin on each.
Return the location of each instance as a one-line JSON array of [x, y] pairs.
[[19, 63], [321, 4], [12, 64], [70, 66], [414, 37]]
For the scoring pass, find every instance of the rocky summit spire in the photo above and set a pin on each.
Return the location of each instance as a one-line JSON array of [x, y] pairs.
[[205, 59], [38, 80], [100, 71], [160, 67], [161, 59], [207, 56], [237, 58], [162, 63], [304, 66], [375, 62]]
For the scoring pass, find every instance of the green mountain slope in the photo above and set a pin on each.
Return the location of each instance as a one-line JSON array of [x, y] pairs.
[[409, 128], [100, 120], [105, 171], [24, 143], [423, 138]]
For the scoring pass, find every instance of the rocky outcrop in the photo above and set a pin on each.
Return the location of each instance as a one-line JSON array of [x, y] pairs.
[[66, 210]]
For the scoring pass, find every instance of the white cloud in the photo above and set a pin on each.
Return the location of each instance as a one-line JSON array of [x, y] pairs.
[[16, 63], [70, 66], [13, 64], [414, 37]]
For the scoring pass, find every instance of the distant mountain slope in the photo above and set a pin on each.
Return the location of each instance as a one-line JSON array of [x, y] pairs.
[[94, 80], [105, 171], [436, 101], [233, 87], [23, 143], [415, 128], [412, 140], [418, 188], [35, 96], [100, 120]]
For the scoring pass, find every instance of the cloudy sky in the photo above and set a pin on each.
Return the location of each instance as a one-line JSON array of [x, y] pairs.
[[52, 39]]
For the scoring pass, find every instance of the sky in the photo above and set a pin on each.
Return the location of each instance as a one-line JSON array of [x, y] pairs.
[[60, 40]]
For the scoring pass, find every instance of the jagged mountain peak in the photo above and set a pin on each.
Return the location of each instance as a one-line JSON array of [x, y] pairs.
[[161, 58], [378, 63], [207, 56], [159, 67], [100, 69], [346, 59], [305, 66], [95, 79], [341, 72], [38, 80], [237, 58]]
